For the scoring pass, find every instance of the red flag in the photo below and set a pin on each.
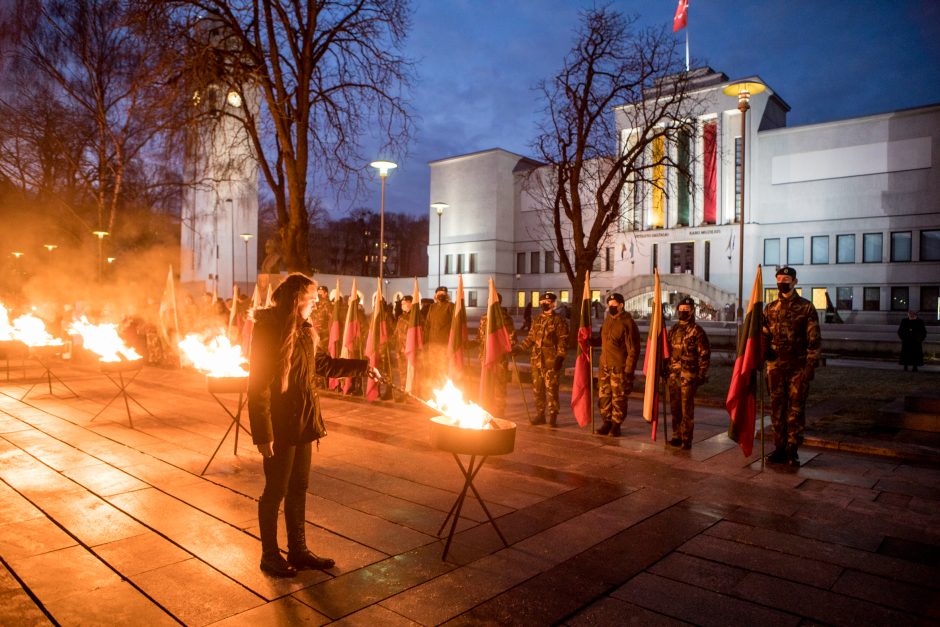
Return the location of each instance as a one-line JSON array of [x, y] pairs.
[[681, 18], [581, 401], [498, 344], [413, 339], [750, 359], [458, 335], [351, 332], [335, 343], [657, 349], [378, 337]]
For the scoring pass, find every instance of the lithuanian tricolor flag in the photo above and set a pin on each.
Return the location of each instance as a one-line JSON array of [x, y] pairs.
[[742, 392], [581, 400]]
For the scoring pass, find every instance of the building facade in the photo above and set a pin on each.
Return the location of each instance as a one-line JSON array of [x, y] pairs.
[[853, 205]]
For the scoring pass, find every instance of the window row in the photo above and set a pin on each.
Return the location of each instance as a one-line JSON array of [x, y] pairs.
[[604, 262], [455, 264], [871, 297], [900, 248]]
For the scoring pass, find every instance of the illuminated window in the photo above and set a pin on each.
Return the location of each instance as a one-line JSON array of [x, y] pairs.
[[819, 297]]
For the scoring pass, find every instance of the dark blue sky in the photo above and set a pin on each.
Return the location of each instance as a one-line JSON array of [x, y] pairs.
[[478, 62]]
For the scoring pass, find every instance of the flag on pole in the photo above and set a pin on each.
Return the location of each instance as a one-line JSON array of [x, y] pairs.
[[231, 314], [681, 18], [458, 335], [581, 401], [335, 343], [498, 344], [377, 338], [413, 339], [351, 332], [750, 359], [269, 298], [656, 350]]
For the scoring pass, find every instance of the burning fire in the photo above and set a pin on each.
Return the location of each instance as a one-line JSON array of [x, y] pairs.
[[449, 401], [216, 357], [27, 329], [104, 340]]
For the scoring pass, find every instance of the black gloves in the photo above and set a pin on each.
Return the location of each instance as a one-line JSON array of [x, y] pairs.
[[559, 362]]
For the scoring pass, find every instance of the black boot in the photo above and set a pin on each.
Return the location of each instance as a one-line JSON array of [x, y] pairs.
[[605, 428], [553, 420], [615, 430], [538, 420], [676, 442], [779, 456], [298, 555], [792, 458], [272, 562]]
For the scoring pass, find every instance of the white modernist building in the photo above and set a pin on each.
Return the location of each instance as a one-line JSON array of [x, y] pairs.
[[853, 205]]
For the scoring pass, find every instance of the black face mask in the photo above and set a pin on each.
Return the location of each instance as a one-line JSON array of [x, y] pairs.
[[685, 315], [545, 306], [614, 310], [784, 288], [441, 298]]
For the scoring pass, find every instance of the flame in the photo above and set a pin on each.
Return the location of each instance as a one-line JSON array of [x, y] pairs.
[[104, 340], [27, 329], [449, 401], [215, 356]]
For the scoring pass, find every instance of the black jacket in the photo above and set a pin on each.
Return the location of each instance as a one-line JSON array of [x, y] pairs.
[[293, 416]]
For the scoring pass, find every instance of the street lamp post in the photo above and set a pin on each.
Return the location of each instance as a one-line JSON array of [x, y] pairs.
[[439, 207], [383, 167], [743, 90], [231, 213], [100, 235], [246, 237]]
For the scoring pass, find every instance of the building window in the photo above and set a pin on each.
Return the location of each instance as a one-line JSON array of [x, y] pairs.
[[460, 264], [844, 298], [471, 298], [520, 263], [872, 299], [845, 249], [794, 251], [534, 298], [872, 245], [771, 252], [708, 261], [549, 261], [930, 245], [901, 246], [534, 262], [608, 258], [448, 267], [820, 246], [900, 299], [565, 296], [770, 294], [928, 298], [520, 299], [472, 263], [655, 257], [819, 297]]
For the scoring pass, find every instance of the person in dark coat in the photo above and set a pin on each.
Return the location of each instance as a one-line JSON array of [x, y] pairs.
[[284, 411], [912, 333]]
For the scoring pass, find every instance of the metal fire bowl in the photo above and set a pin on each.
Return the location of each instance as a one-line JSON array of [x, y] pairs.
[[108, 367], [13, 349], [460, 440], [221, 385]]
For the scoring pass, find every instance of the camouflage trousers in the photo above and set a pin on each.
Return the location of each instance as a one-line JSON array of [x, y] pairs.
[[544, 388], [434, 368], [682, 406], [788, 387], [614, 388], [494, 388]]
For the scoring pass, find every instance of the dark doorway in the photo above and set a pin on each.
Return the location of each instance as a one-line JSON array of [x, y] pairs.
[[683, 258]]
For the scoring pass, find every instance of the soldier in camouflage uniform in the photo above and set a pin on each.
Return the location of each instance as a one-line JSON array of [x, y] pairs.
[[687, 368], [620, 348], [497, 404], [400, 341], [437, 324], [321, 318], [793, 343], [548, 341]]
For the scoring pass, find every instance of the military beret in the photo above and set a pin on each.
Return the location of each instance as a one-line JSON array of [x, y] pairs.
[[615, 296], [549, 296], [440, 288], [786, 271], [408, 297], [687, 301]]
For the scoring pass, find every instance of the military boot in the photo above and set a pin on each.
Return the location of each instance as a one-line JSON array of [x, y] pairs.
[[553, 420], [605, 428], [538, 420], [779, 456], [792, 458], [615, 430]]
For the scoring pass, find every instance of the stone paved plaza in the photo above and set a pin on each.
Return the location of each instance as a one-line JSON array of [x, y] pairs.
[[101, 523]]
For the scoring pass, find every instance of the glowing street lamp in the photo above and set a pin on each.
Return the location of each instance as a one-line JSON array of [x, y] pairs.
[[743, 90], [100, 235], [50, 247], [439, 207], [383, 167], [245, 237]]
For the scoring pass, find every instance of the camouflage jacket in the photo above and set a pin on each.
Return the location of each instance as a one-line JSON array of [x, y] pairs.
[[321, 319], [547, 338], [689, 351], [401, 333], [791, 331], [507, 322], [620, 343]]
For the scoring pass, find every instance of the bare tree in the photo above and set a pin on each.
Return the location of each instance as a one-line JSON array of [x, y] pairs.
[[581, 191], [324, 73]]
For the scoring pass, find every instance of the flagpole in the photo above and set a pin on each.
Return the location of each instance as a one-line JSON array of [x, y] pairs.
[[515, 367], [664, 391], [760, 384], [687, 46], [591, 377]]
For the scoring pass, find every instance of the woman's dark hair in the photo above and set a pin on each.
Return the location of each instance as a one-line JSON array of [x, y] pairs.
[[286, 307]]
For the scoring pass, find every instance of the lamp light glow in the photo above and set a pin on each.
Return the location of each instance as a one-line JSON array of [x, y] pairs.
[[383, 167]]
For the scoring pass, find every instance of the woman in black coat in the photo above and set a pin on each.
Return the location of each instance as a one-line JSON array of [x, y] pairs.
[[912, 333], [284, 411]]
